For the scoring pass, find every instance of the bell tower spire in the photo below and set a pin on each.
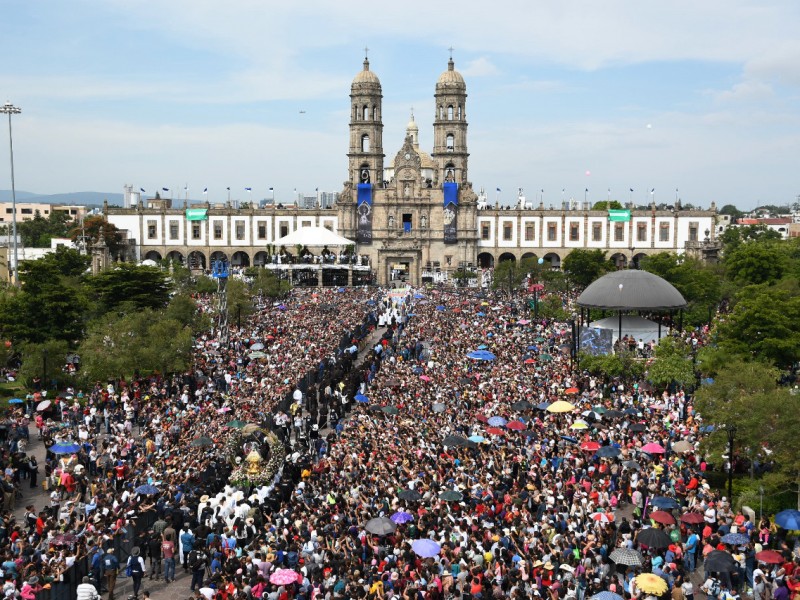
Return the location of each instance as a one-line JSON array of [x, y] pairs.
[[450, 125], [365, 156]]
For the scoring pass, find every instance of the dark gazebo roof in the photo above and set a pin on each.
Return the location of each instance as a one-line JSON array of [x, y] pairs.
[[631, 289]]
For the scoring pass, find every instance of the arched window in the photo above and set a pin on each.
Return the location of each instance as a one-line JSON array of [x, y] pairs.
[[374, 113], [450, 113], [441, 112], [365, 143], [366, 112], [355, 113], [451, 142], [459, 112]]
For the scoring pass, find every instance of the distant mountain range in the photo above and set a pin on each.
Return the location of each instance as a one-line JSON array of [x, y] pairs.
[[82, 198]]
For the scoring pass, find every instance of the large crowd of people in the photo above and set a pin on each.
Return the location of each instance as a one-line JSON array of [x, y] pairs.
[[464, 457]]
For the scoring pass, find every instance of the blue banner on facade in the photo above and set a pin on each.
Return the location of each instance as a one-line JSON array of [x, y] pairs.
[[364, 210], [450, 215]]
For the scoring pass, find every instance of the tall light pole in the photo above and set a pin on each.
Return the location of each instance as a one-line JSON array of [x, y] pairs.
[[9, 109], [731, 431]]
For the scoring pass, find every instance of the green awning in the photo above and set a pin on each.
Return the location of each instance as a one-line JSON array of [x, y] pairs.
[[615, 214], [196, 214]]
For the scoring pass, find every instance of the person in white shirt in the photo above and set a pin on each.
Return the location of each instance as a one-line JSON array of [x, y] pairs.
[[86, 591]]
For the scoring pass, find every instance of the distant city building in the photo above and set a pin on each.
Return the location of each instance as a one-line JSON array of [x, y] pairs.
[[26, 211]]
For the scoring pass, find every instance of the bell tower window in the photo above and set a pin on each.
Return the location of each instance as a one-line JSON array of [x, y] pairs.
[[374, 113], [450, 142], [459, 112], [365, 143], [450, 113], [366, 112], [441, 112]]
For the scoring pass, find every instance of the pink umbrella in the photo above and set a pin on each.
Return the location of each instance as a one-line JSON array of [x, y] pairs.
[[653, 448], [283, 577], [424, 378]]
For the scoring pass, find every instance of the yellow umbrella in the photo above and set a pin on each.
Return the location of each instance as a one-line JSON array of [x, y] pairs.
[[560, 406], [579, 425], [651, 583]]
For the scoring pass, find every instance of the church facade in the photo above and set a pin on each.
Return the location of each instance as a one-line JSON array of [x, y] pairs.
[[416, 212]]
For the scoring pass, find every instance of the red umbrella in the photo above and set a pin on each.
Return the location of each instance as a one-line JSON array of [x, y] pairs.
[[529, 361], [662, 516], [516, 425], [494, 430], [692, 518], [482, 418], [770, 557], [572, 390], [590, 446]]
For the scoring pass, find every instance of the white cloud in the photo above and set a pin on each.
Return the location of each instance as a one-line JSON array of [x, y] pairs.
[[746, 91], [480, 67]]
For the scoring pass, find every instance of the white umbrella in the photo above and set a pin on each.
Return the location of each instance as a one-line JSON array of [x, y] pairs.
[[43, 405]]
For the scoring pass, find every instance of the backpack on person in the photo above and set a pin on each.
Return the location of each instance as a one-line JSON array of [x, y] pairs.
[[134, 566]]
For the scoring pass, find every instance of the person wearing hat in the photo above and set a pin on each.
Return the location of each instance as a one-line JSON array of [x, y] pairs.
[[136, 569]]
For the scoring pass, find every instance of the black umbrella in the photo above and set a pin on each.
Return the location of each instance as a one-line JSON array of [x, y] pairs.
[[637, 427], [456, 441], [664, 502], [718, 561], [653, 538], [410, 495], [632, 465], [451, 496], [522, 405], [465, 381], [201, 442], [613, 414]]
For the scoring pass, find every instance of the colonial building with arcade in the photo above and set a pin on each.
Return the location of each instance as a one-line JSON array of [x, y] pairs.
[[414, 216]]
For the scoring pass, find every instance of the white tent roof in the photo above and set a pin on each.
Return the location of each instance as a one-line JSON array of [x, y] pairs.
[[633, 326], [313, 236]]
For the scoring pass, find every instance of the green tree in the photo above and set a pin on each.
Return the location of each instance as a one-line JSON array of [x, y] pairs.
[[672, 364], [183, 309], [603, 205], [509, 274], [757, 261], [732, 237], [144, 287], [746, 394], [267, 284], [730, 209], [584, 266], [763, 325], [240, 300], [53, 300], [44, 360], [38, 232], [552, 307], [609, 366]]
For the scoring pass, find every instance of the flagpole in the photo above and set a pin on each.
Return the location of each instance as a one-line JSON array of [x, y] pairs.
[[229, 195], [186, 192]]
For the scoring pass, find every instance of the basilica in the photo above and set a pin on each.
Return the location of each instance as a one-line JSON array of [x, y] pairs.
[[413, 216]]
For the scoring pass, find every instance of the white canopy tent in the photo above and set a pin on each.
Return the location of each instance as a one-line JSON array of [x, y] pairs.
[[313, 236], [633, 326]]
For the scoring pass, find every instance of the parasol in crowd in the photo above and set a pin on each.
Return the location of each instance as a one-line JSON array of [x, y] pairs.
[[43, 405], [64, 448], [692, 518], [682, 446], [771, 557], [560, 406], [283, 577], [718, 561], [201, 442], [663, 517], [651, 583], [381, 526], [788, 519], [146, 490], [653, 538], [425, 548], [627, 556], [409, 495], [401, 517]]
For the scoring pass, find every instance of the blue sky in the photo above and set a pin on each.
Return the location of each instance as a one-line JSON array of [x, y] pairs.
[[698, 96]]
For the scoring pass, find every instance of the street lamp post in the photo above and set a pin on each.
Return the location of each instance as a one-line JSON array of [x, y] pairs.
[[731, 429], [9, 109]]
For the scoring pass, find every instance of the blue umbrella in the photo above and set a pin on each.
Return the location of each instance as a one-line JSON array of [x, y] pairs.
[[477, 439], [483, 347], [418, 296], [425, 548], [481, 314], [440, 307], [402, 517], [64, 448], [371, 302], [735, 539], [606, 595], [497, 421], [340, 290], [481, 355], [532, 348], [569, 438], [417, 370], [146, 490], [707, 381], [664, 503], [707, 429], [542, 405], [361, 398], [788, 519], [608, 452], [16, 401]]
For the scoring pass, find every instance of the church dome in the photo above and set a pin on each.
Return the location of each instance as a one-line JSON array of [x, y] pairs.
[[451, 77], [366, 76]]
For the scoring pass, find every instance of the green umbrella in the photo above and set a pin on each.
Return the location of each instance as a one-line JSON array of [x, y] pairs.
[[545, 358], [390, 410], [257, 354], [600, 410], [236, 424], [540, 340]]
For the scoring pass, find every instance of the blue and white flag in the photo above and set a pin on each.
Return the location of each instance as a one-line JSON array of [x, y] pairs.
[[631, 189], [499, 190], [653, 191], [186, 188], [205, 190], [248, 189], [142, 190], [271, 190], [229, 189], [164, 189]]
